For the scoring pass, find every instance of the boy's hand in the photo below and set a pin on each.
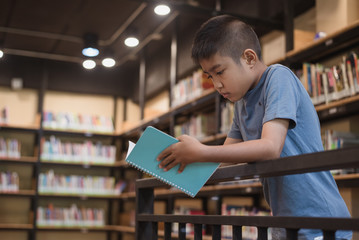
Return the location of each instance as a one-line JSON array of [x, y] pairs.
[[186, 151]]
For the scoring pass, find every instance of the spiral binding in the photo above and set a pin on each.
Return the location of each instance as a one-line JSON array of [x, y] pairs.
[[162, 179]]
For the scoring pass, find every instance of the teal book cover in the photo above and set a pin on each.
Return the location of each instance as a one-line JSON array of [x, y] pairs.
[[143, 157]]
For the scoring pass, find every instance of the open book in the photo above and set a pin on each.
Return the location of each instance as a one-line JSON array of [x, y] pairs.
[[143, 156]]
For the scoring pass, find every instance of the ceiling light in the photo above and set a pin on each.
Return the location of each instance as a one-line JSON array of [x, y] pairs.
[[90, 52], [89, 64], [162, 10], [90, 49], [108, 62], [1, 54], [131, 42]]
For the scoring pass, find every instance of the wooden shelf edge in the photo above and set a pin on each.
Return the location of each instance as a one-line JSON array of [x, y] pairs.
[[23, 159], [337, 103], [117, 228], [121, 163], [322, 40], [122, 228], [346, 176], [33, 127], [16, 226], [24, 193], [82, 196], [82, 132]]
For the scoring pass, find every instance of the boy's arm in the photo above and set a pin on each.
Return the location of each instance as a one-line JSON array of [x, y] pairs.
[[232, 141], [189, 150]]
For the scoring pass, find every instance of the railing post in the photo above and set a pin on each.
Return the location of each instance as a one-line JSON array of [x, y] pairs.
[[182, 231], [262, 233], [329, 235], [168, 230], [154, 231], [216, 234], [237, 232], [292, 234], [144, 204], [198, 232]]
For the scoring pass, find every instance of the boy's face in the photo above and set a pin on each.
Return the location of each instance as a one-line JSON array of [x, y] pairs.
[[232, 80]]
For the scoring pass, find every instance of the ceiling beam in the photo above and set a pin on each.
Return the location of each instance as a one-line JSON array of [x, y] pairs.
[[76, 39]]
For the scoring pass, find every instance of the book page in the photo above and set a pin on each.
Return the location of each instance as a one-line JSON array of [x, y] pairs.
[[131, 145]]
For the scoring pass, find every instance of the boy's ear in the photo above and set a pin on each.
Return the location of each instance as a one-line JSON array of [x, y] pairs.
[[250, 57]]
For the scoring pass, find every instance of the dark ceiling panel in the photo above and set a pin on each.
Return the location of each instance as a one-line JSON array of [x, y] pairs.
[[57, 28]]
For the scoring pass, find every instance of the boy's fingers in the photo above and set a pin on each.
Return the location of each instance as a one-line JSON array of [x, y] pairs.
[[163, 154], [181, 168], [170, 165], [167, 160]]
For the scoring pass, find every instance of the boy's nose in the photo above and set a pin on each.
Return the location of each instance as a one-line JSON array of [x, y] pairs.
[[217, 84]]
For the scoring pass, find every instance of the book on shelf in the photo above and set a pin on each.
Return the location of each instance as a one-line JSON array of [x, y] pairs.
[[248, 232], [87, 152], [77, 122], [336, 140], [190, 87], [227, 112], [10, 148], [73, 216], [9, 181], [143, 156], [52, 183], [198, 126], [184, 210], [329, 83], [4, 116]]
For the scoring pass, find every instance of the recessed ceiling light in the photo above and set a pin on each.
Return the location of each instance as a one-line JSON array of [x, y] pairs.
[[90, 52], [89, 64], [108, 62], [131, 42], [162, 10], [1, 54], [90, 49]]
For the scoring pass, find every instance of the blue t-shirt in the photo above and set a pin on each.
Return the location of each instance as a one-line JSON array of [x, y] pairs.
[[280, 94]]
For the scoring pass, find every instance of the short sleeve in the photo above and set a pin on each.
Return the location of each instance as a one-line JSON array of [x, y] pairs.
[[235, 132], [281, 96]]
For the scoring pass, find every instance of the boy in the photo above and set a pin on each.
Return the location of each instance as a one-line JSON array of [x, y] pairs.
[[274, 117]]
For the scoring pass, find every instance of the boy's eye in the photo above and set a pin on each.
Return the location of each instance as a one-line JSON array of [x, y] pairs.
[[220, 72]]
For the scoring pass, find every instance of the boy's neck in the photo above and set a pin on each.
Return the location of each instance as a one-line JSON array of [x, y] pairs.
[[260, 69]]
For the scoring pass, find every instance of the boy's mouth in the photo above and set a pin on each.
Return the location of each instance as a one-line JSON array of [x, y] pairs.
[[225, 95]]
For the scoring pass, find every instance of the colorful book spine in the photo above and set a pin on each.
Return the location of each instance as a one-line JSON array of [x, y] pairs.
[[190, 87], [199, 126], [52, 183], [70, 217], [86, 152], [336, 140], [77, 122], [227, 111], [10, 148], [329, 83], [9, 181]]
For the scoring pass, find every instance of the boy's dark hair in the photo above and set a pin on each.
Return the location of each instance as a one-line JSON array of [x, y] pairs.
[[225, 35]]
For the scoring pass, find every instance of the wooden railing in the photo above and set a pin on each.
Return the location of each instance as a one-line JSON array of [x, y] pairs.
[[147, 221]]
